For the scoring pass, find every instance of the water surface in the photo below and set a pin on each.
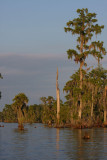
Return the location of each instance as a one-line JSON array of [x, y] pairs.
[[43, 143]]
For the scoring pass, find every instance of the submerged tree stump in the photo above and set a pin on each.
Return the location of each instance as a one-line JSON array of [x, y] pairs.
[[20, 127], [86, 136]]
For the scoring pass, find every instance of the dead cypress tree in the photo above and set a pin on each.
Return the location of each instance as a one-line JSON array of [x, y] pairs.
[[58, 98]]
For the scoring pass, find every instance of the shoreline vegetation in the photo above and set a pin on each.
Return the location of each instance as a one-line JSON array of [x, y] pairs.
[[86, 91], [46, 113]]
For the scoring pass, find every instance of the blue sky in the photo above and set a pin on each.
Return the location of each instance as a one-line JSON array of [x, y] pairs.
[[33, 43]]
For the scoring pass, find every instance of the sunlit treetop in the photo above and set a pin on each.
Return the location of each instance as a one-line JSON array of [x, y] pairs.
[[85, 27]]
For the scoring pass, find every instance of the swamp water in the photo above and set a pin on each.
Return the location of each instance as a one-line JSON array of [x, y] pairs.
[[43, 143]]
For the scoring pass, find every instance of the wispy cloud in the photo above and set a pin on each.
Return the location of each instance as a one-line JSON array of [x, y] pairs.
[[32, 56]]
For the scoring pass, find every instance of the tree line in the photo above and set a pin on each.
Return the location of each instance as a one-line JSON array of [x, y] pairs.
[[93, 98], [86, 91]]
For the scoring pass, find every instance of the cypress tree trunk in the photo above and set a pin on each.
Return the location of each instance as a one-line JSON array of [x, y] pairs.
[[105, 105], [20, 119], [92, 104], [81, 75], [58, 98], [81, 79]]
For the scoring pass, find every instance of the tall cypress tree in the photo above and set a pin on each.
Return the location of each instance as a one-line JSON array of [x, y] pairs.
[[85, 26]]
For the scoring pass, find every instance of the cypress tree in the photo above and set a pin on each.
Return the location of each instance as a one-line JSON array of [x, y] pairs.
[[85, 27]]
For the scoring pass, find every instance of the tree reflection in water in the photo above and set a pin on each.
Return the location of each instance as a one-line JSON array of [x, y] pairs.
[[57, 138], [51, 143], [93, 148]]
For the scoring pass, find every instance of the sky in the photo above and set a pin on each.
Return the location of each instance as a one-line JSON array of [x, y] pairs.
[[33, 44]]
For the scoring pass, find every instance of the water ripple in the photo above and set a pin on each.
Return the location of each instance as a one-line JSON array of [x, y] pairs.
[[43, 143]]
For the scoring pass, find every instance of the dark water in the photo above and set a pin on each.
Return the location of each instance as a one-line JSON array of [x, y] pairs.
[[43, 143]]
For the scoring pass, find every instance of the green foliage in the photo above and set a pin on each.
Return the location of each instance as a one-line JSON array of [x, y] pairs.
[[94, 83], [65, 114], [85, 27], [1, 116], [48, 110], [8, 114], [34, 113], [1, 76], [86, 112], [79, 88], [98, 77], [20, 107]]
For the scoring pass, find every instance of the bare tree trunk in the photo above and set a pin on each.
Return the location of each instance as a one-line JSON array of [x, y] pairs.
[[105, 105], [81, 79], [92, 104], [81, 76], [58, 98]]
